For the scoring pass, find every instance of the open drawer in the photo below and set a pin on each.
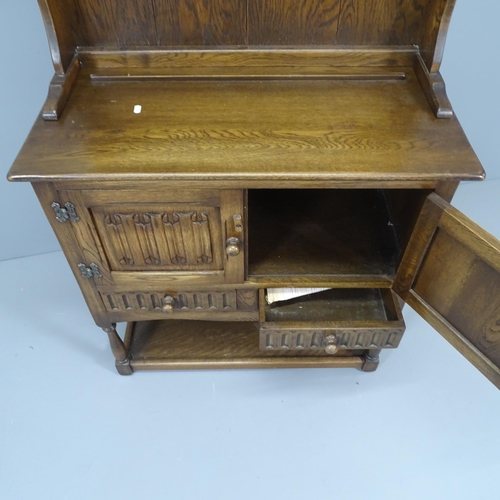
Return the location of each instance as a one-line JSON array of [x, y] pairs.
[[365, 318]]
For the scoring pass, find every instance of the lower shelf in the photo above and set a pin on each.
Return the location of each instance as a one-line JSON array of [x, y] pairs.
[[176, 345]]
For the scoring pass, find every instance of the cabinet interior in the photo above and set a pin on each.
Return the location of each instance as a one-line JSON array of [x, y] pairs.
[[331, 232]]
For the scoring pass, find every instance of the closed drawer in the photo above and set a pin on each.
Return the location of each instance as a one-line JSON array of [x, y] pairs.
[[332, 320], [215, 304]]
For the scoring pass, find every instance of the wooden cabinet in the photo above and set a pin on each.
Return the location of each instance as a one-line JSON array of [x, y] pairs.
[[195, 160]]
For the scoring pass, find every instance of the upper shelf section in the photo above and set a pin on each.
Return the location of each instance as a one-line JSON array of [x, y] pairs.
[[136, 24]]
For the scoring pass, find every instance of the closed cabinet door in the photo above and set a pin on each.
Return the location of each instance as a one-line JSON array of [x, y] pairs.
[[155, 238]]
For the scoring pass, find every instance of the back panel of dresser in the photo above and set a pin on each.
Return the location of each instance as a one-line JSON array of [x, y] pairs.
[[229, 23]]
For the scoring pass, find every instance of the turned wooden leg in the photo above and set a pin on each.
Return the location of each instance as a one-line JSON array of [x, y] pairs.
[[119, 351], [371, 360]]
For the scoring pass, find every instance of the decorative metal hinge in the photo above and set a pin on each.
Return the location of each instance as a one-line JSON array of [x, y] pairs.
[[64, 214], [90, 272]]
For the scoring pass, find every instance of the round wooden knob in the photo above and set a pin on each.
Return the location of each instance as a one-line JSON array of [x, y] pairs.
[[331, 346], [168, 308], [232, 250], [233, 247], [168, 304]]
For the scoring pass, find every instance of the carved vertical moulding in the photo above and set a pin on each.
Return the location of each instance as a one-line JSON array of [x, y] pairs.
[[218, 301], [352, 338], [160, 239]]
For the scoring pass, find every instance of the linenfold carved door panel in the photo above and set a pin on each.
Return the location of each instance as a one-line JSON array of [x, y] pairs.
[[451, 277], [160, 237]]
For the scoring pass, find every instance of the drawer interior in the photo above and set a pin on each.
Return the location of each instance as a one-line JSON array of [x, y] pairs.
[[339, 304]]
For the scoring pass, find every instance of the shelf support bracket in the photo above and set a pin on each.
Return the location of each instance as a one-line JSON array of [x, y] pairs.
[[434, 89], [59, 92]]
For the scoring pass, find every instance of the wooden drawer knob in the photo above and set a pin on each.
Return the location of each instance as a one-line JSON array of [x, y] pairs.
[[168, 304], [331, 346], [233, 246]]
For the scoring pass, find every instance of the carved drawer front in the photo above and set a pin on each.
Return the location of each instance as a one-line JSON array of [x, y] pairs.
[[331, 320], [176, 304], [322, 338]]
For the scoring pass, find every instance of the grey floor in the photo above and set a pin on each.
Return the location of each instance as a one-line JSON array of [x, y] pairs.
[[424, 426]]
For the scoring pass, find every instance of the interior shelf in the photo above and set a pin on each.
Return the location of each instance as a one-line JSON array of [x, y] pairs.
[[321, 233]]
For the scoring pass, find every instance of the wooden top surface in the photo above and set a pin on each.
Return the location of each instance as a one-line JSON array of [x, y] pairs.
[[283, 129]]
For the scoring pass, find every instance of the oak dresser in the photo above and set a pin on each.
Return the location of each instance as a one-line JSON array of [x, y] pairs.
[[261, 183]]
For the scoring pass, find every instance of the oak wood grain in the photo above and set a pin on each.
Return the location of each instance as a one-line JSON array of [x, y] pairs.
[[403, 206], [60, 89], [185, 57], [123, 23], [487, 367], [381, 22], [297, 130], [87, 236], [247, 300], [69, 184], [92, 24], [457, 286], [434, 89], [146, 280], [123, 282], [469, 234], [186, 22], [47, 194], [436, 30], [187, 317], [288, 22], [420, 239], [165, 345], [245, 74], [232, 210], [339, 232], [119, 350], [187, 112], [146, 194], [333, 307], [60, 20], [446, 190]]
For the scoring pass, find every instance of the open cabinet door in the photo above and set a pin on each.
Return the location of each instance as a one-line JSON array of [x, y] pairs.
[[450, 274]]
